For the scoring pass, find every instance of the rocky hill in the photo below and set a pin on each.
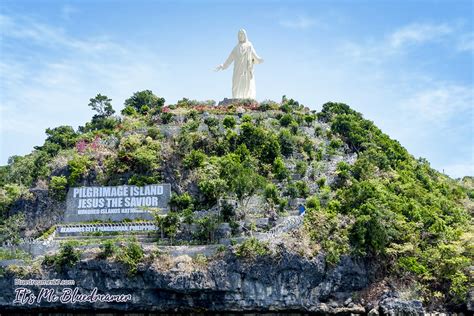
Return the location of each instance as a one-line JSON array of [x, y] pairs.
[[381, 231]]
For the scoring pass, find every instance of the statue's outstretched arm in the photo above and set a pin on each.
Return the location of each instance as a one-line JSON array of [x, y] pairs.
[[255, 57], [227, 63]]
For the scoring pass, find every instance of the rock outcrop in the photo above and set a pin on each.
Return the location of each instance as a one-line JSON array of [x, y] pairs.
[[286, 282]]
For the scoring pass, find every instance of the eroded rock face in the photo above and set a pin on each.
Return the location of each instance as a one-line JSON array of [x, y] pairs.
[[396, 307], [41, 212], [284, 283]]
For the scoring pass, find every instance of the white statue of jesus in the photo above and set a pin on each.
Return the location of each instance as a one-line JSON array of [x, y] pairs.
[[244, 57]]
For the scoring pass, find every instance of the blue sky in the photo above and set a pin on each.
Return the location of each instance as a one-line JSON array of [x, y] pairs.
[[406, 65]]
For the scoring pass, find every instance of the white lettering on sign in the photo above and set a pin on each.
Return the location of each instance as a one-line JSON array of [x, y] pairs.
[[120, 191], [89, 203], [106, 228]]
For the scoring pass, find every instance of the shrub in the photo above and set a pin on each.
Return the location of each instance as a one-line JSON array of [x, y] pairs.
[[108, 249], [303, 189], [57, 187], [67, 257], [287, 143], [268, 105], [154, 133], [11, 227], [309, 119], [192, 115], [194, 159], [328, 230], [181, 202], [63, 136], [246, 118], [252, 248], [78, 167], [206, 228], [286, 120], [201, 259], [336, 143], [313, 203], [301, 167], [14, 254], [169, 224], [139, 155], [279, 169], [166, 117], [211, 122], [318, 131], [142, 102], [229, 121], [8, 195], [271, 194], [292, 190], [131, 255]]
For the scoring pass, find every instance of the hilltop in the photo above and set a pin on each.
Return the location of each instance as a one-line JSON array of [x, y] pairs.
[[374, 215]]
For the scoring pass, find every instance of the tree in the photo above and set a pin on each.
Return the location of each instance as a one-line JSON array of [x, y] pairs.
[[241, 176], [286, 120], [143, 102], [64, 136], [229, 121], [101, 104], [279, 169], [57, 187], [287, 142], [271, 195]]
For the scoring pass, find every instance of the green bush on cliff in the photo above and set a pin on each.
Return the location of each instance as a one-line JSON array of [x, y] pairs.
[[108, 249], [229, 121], [57, 187], [143, 102], [78, 167], [131, 255], [252, 248], [67, 257]]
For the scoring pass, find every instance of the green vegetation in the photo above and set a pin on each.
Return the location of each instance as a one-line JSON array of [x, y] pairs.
[[108, 249], [14, 254], [57, 187], [252, 248], [11, 227], [67, 256], [403, 212], [386, 206], [131, 255], [143, 102], [229, 121]]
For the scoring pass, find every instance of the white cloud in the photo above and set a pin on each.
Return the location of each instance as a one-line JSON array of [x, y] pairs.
[[441, 104], [47, 90], [406, 37], [418, 33], [24, 28], [300, 22]]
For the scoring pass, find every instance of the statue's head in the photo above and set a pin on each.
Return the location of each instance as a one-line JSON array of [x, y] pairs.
[[242, 36]]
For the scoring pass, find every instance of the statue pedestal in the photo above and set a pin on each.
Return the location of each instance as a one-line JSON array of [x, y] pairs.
[[239, 102], [227, 102]]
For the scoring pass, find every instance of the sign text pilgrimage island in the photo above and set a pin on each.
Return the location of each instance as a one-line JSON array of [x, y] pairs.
[[117, 203]]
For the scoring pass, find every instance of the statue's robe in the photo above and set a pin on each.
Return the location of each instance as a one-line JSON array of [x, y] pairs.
[[243, 81]]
